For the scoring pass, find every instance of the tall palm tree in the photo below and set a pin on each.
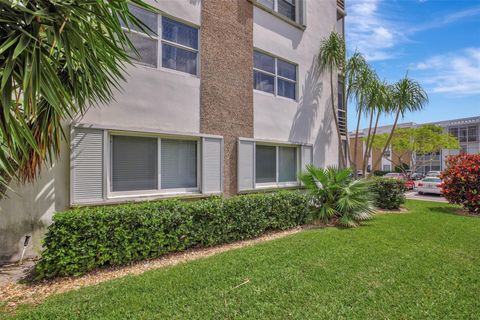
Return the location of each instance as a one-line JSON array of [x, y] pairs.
[[381, 103], [332, 59], [408, 96], [56, 59], [359, 79]]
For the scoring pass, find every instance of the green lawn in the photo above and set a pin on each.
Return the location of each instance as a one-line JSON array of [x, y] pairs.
[[424, 264]]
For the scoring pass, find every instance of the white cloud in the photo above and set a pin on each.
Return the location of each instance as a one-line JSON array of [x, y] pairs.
[[454, 73], [369, 32]]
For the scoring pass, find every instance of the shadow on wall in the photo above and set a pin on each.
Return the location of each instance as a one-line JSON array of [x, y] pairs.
[[325, 134], [28, 210], [308, 107]]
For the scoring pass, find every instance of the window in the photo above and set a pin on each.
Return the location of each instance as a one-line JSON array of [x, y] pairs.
[[472, 133], [286, 8], [386, 167], [275, 164], [137, 164], [273, 75], [177, 41], [134, 163]]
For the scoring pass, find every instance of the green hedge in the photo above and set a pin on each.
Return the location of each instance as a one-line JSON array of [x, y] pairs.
[[82, 239], [388, 193]]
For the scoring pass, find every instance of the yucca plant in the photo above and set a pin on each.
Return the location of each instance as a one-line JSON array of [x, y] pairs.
[[336, 197], [57, 58]]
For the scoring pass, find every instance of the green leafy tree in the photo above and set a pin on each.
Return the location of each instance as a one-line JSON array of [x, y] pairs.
[[332, 59], [57, 59], [336, 197], [405, 142]]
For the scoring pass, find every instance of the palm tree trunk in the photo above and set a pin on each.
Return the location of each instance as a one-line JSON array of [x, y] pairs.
[[356, 141], [373, 137], [389, 139], [364, 167], [335, 118]]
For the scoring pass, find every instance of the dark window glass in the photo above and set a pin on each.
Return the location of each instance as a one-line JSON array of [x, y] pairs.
[[286, 89], [265, 164], [179, 59], [287, 70], [263, 82], [462, 134], [179, 33], [287, 8], [453, 132], [263, 62], [472, 133]]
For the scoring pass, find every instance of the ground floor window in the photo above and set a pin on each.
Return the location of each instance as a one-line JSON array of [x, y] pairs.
[[275, 164], [152, 163]]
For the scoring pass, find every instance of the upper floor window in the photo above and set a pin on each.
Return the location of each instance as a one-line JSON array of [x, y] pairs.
[[174, 46], [273, 75], [465, 134], [286, 8]]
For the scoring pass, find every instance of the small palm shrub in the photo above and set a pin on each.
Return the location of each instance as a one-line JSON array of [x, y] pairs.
[[461, 181], [336, 197], [387, 193]]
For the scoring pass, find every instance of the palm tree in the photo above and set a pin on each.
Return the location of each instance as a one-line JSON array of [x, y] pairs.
[[359, 79], [332, 59], [56, 61], [407, 96], [380, 104], [336, 197]]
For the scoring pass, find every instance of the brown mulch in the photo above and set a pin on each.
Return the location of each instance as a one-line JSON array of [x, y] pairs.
[[399, 210], [463, 212], [14, 293]]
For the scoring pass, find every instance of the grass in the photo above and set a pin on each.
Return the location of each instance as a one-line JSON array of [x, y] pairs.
[[424, 264]]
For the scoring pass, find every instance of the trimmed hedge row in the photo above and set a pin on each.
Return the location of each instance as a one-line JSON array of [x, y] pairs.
[[388, 193], [82, 239]]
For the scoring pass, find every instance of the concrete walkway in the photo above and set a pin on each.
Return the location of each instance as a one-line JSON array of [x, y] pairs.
[[413, 195]]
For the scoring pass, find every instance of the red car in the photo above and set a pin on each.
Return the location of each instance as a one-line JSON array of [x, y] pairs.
[[409, 184]]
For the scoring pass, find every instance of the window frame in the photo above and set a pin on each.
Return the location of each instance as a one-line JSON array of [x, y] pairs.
[[277, 183], [108, 156], [276, 76], [275, 9], [160, 41]]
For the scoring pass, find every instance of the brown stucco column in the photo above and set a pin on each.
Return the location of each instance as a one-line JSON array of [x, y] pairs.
[[226, 93]]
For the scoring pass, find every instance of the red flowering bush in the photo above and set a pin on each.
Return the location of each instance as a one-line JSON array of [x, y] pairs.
[[461, 181]]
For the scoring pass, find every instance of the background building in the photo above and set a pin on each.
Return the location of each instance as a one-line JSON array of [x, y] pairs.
[[466, 130], [227, 98]]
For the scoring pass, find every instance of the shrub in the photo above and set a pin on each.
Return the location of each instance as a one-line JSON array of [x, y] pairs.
[[388, 193], [461, 181], [82, 239], [336, 197], [380, 173]]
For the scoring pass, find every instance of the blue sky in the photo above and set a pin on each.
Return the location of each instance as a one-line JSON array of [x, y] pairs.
[[436, 41]]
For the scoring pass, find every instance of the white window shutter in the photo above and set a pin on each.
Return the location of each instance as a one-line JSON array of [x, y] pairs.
[[87, 166], [212, 165], [306, 156], [246, 167], [303, 13]]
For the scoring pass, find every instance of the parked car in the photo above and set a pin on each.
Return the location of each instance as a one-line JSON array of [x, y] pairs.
[[417, 176], [433, 174], [430, 185], [396, 175], [409, 184]]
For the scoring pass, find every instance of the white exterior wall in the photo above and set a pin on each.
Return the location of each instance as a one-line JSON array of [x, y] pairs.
[[150, 99], [309, 119]]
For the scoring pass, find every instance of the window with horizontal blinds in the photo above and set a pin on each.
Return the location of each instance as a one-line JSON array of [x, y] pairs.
[[265, 164], [287, 164], [134, 163], [178, 164]]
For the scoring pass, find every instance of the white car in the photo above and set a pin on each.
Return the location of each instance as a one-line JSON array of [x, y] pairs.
[[433, 174], [430, 185]]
